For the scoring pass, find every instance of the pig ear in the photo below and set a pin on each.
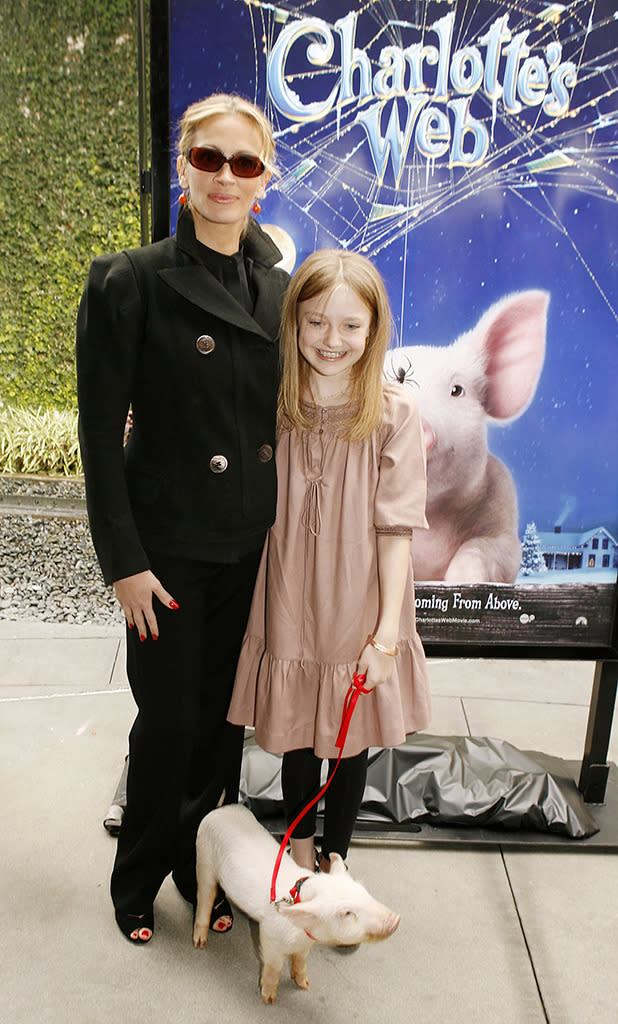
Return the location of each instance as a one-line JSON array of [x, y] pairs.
[[337, 864], [300, 913], [511, 338]]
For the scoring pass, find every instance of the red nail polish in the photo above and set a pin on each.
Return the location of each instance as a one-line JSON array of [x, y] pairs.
[[155, 636], [174, 606], [142, 638], [130, 625]]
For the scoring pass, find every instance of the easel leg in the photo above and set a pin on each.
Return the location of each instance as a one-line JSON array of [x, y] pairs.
[[595, 769]]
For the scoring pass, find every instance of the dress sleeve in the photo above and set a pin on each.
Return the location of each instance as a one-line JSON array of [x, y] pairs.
[[402, 485], [109, 337]]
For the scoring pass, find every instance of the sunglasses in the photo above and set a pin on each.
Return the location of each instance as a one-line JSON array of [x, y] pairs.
[[242, 165]]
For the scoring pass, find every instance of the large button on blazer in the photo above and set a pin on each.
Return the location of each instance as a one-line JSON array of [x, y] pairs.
[[158, 332]]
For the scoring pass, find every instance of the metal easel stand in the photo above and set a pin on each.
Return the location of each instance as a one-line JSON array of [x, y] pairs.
[[595, 766]]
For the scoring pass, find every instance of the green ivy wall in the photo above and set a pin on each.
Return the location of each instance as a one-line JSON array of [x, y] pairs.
[[68, 178]]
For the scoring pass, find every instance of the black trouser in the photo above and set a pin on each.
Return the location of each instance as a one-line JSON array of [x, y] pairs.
[[300, 781], [183, 755]]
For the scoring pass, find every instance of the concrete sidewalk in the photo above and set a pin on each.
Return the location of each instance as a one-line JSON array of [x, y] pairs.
[[493, 935]]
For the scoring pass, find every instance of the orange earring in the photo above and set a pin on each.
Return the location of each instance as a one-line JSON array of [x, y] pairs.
[[182, 199], [256, 207]]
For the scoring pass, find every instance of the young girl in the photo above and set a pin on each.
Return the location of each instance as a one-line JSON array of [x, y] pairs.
[[335, 593]]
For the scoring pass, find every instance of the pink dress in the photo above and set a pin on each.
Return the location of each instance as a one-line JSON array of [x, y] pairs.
[[316, 596]]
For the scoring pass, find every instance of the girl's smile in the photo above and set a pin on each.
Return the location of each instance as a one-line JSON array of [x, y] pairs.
[[331, 356]]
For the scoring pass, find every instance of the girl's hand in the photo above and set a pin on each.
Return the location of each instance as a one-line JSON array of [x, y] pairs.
[[376, 665], [135, 596]]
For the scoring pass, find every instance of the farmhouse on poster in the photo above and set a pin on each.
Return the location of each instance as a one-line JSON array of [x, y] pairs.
[[593, 549]]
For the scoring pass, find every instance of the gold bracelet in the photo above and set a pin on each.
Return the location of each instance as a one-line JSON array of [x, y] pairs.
[[391, 651]]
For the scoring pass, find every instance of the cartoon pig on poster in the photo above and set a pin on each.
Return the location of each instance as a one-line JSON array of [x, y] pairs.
[[488, 375]]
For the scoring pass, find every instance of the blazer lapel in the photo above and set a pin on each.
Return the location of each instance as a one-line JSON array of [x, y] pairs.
[[266, 312], [197, 285]]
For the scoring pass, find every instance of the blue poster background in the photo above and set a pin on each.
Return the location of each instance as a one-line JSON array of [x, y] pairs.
[[539, 211]]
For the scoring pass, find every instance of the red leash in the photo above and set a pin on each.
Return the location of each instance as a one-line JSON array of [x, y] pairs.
[[348, 710]]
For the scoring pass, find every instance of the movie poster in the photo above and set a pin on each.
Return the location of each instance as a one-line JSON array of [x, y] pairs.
[[470, 150]]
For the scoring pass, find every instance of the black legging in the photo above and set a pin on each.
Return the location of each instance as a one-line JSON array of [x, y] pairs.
[[300, 780]]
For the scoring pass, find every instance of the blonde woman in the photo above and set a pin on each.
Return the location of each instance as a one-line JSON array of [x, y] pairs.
[[335, 590], [184, 332]]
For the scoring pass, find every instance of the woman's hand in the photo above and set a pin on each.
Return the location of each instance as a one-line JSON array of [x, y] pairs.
[[376, 665], [135, 596]]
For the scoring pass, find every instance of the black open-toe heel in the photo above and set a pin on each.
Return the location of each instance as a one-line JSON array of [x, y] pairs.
[[221, 917], [137, 928]]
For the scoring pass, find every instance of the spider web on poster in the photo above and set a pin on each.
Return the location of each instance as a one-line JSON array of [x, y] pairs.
[[326, 170]]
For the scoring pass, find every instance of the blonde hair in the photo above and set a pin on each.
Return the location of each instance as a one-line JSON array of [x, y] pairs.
[[320, 273], [227, 103]]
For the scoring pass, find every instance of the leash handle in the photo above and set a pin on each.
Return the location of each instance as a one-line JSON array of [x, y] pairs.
[[349, 704]]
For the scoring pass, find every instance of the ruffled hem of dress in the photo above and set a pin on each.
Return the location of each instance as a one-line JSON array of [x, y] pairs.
[[295, 704]]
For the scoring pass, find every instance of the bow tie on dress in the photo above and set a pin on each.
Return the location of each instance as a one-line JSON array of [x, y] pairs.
[[312, 515]]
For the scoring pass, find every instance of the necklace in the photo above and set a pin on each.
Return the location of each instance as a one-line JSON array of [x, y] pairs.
[[328, 399]]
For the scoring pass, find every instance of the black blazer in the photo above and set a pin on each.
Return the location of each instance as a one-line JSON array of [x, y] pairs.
[[197, 475]]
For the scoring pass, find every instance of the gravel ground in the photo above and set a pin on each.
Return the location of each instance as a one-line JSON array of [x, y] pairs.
[[52, 486], [48, 568]]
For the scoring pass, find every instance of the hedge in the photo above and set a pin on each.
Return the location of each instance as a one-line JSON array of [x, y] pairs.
[[68, 182]]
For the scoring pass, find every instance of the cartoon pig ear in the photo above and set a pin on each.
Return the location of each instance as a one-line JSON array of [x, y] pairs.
[[511, 337]]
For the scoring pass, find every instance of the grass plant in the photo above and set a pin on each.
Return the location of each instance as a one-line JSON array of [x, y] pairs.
[[39, 441]]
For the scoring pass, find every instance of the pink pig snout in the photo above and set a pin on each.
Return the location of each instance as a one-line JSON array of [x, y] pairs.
[[385, 927]]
